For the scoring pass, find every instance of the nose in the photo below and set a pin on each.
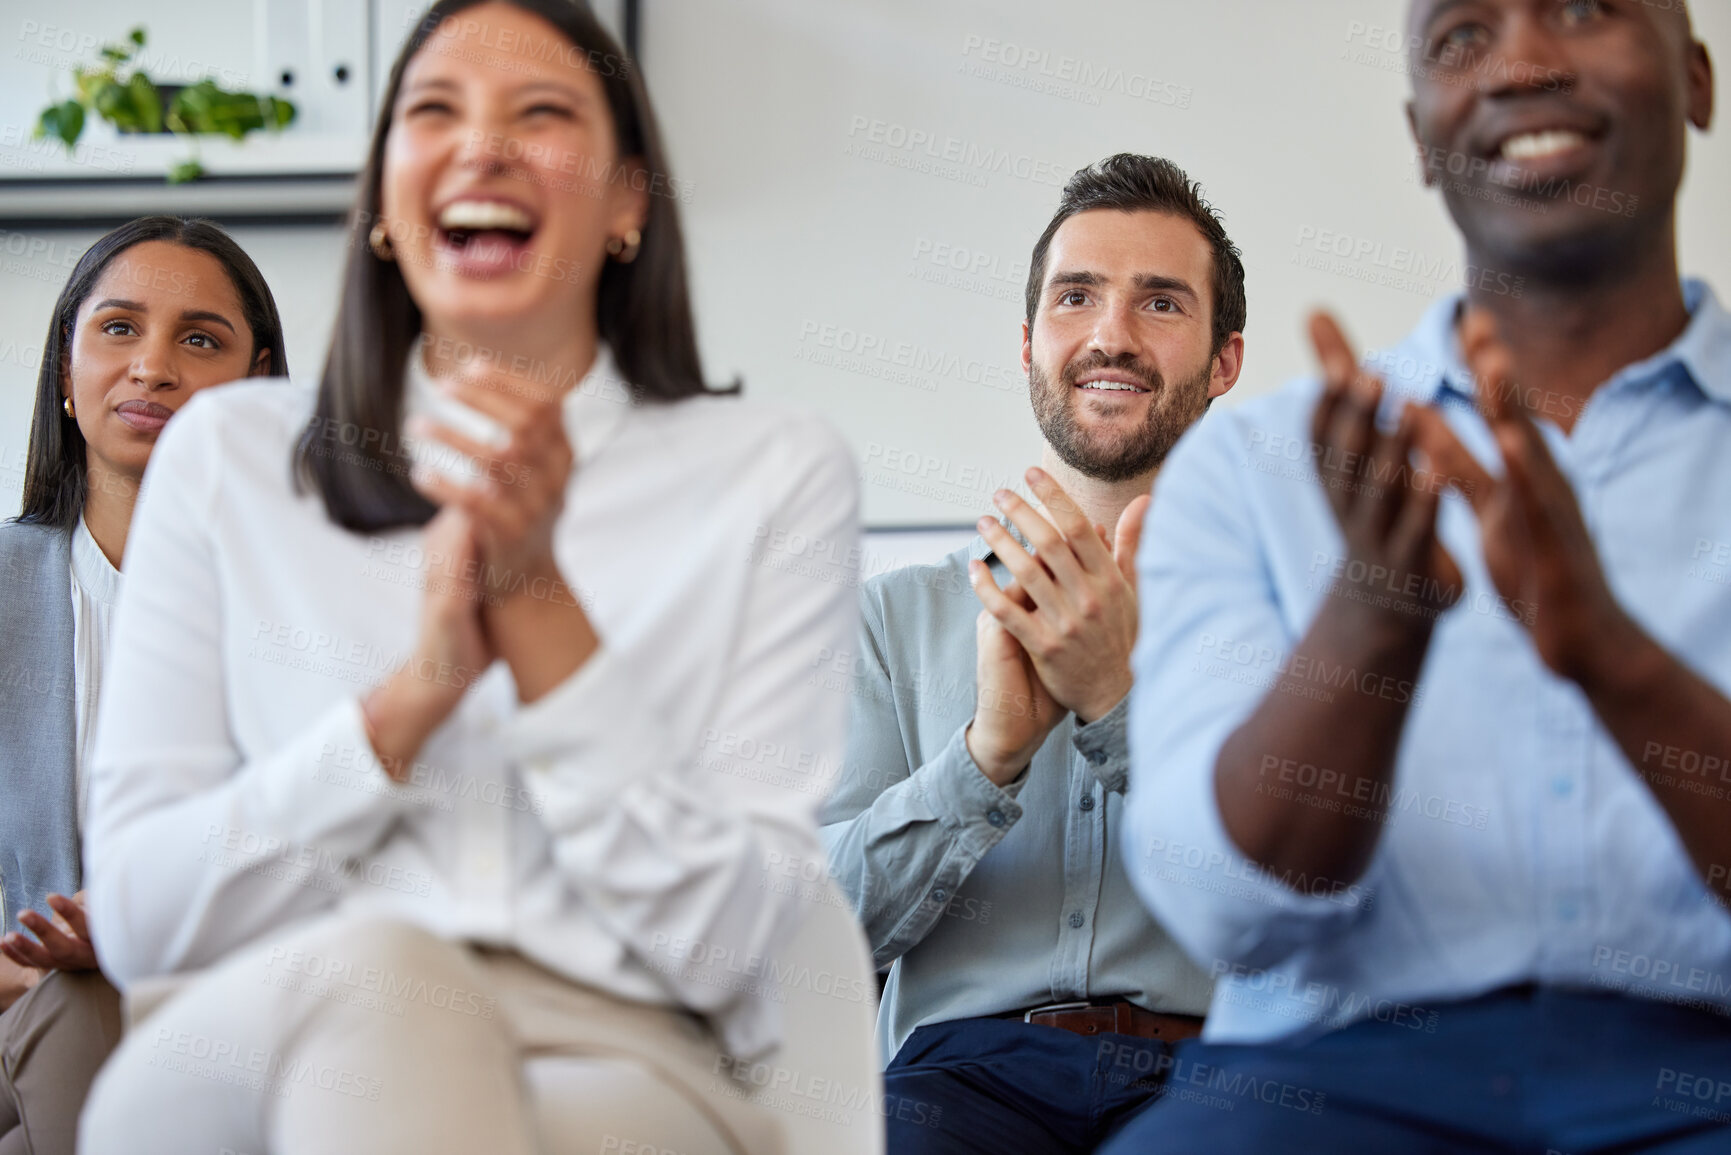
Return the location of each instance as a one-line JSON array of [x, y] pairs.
[[488, 146], [156, 365], [1114, 330]]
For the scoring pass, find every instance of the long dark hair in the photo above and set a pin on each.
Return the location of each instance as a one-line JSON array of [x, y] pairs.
[[55, 481], [643, 308]]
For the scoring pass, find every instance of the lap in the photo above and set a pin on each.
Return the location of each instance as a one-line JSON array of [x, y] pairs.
[[1526, 1071], [994, 1085], [378, 1033]]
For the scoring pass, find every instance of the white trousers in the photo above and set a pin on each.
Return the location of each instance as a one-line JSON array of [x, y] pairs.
[[376, 1037]]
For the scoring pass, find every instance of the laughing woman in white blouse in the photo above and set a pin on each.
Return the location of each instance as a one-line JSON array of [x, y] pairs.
[[410, 756], [153, 312]]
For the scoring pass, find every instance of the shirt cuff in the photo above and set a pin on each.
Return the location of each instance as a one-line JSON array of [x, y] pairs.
[[966, 801], [1105, 744]]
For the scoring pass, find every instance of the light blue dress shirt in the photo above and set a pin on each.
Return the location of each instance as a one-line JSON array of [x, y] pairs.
[[1520, 844]]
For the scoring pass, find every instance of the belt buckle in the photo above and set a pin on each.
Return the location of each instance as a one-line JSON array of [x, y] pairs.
[[1051, 1008]]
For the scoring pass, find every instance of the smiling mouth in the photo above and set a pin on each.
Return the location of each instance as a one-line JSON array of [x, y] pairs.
[[484, 237], [1528, 147], [1108, 385]]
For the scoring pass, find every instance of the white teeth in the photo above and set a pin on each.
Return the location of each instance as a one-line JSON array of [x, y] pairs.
[[1538, 145], [474, 216], [1110, 386]]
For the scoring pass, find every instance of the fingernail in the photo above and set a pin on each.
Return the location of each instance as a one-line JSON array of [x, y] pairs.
[[1001, 499], [1036, 474], [984, 524]]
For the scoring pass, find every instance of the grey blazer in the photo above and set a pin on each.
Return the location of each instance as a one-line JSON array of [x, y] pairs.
[[38, 777]]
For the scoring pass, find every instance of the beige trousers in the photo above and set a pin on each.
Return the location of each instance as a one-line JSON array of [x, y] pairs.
[[52, 1041], [376, 1037]]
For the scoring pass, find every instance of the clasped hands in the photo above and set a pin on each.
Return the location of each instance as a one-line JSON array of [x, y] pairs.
[[499, 593], [1057, 638], [1535, 542]]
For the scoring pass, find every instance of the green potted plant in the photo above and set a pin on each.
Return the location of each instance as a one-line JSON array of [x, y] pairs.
[[117, 90]]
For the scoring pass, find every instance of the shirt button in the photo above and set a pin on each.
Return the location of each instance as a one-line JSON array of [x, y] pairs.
[[940, 895], [995, 817], [1087, 802], [1076, 919]]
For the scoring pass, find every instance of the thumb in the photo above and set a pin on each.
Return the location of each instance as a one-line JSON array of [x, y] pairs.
[[1130, 536]]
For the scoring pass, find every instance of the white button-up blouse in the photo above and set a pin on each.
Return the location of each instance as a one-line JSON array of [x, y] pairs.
[[626, 830]]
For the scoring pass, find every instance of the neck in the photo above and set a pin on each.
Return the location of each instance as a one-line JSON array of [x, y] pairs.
[[108, 505], [553, 355], [1102, 501], [1569, 336]]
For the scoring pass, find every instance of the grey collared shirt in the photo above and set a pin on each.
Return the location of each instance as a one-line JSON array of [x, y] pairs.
[[985, 899]]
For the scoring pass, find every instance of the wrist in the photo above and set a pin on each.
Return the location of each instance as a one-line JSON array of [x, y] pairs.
[[1104, 702], [1000, 768], [399, 717], [1617, 661]]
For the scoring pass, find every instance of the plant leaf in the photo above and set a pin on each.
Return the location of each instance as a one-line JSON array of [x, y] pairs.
[[147, 101], [184, 171], [71, 122], [137, 36]]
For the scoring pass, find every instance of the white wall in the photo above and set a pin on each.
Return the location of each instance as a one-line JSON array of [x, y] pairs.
[[1292, 128]]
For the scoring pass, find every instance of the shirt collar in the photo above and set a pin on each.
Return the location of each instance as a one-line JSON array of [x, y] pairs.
[[981, 551], [91, 569], [1429, 361]]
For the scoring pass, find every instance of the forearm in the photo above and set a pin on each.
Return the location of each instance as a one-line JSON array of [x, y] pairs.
[[541, 632], [902, 857], [1327, 731], [1675, 729]]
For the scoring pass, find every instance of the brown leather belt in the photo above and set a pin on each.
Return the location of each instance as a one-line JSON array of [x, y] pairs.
[[1115, 1018]]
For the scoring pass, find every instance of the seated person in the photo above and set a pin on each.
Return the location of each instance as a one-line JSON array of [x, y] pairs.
[[977, 830], [401, 768], [1430, 728], [155, 311]]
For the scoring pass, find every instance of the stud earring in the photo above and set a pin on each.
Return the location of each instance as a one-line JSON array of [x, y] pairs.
[[379, 240], [624, 249], [67, 405]]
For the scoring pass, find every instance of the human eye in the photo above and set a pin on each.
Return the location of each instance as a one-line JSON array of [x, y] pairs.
[[205, 340], [118, 328], [1578, 12], [1447, 46], [1072, 297], [1164, 305]]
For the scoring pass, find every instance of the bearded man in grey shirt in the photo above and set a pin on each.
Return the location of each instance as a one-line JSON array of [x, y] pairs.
[[975, 825]]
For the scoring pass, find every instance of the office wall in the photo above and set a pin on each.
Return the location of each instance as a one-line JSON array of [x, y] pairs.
[[867, 178]]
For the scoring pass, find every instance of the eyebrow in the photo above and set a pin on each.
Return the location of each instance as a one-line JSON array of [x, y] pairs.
[[1145, 282], [1436, 11], [188, 315]]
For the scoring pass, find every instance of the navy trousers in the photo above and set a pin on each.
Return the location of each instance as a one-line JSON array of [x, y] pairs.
[[1532, 1070], [1004, 1087]]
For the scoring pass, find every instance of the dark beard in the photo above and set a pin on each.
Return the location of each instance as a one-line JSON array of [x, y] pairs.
[[1111, 458]]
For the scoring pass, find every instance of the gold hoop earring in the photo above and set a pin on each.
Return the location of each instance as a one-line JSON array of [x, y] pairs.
[[67, 406], [379, 240], [624, 249]]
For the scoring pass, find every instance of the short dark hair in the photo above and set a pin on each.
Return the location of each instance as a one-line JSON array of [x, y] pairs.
[[643, 308], [1131, 183], [55, 482]]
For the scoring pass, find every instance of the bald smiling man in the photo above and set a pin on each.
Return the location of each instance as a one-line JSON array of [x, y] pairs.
[[1430, 742]]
